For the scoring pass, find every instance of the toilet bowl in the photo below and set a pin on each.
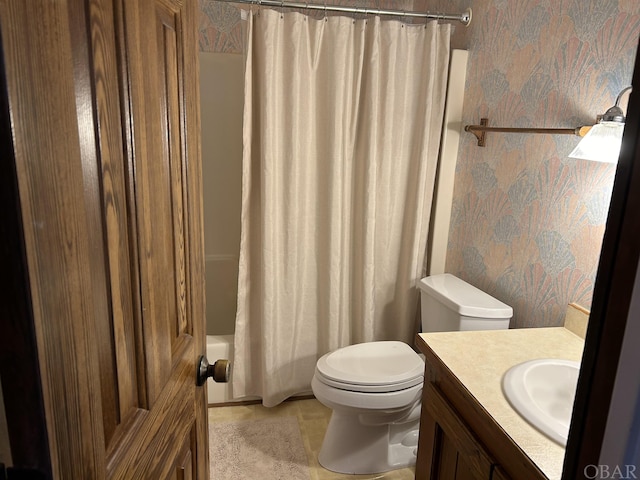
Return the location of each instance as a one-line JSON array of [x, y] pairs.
[[375, 388], [374, 391]]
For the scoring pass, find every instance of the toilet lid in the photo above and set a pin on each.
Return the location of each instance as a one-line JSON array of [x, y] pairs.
[[372, 367]]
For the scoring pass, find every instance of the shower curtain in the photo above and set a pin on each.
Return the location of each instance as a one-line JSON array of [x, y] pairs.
[[342, 125]]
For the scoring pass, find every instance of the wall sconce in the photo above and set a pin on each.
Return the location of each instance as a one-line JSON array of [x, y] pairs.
[[599, 143], [603, 141]]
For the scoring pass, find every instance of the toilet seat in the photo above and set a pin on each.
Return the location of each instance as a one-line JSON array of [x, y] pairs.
[[365, 401], [386, 388], [373, 367]]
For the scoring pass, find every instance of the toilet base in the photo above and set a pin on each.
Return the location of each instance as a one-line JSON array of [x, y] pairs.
[[351, 447]]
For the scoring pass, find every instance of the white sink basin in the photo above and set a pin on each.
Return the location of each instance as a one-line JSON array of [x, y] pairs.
[[542, 391]]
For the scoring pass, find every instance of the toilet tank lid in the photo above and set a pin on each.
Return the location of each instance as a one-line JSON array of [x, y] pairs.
[[463, 298]]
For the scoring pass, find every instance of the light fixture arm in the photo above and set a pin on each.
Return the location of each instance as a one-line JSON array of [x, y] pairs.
[[615, 113]]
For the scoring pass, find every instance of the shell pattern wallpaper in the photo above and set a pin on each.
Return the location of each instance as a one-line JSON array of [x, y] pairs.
[[527, 220], [220, 27]]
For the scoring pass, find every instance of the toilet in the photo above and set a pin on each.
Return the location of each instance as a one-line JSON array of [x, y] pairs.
[[375, 388]]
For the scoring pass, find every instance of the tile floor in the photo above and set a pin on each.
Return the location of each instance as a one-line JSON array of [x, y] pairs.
[[313, 418]]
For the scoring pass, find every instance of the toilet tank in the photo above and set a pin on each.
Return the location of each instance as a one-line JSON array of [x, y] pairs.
[[451, 304]]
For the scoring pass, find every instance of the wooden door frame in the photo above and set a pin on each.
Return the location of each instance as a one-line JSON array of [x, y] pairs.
[[51, 237], [612, 298], [19, 368]]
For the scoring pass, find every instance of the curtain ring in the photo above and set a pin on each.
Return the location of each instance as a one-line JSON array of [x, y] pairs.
[[325, 10]]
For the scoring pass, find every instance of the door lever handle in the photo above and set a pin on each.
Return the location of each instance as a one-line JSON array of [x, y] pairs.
[[220, 371]]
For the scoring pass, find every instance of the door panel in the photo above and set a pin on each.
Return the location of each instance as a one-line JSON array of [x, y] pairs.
[[104, 102], [158, 42], [122, 393]]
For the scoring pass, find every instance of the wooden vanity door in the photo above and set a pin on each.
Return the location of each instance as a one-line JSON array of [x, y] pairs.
[[448, 450], [103, 98]]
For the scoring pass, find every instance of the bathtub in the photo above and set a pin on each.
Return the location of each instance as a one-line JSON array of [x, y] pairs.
[[218, 347], [221, 347]]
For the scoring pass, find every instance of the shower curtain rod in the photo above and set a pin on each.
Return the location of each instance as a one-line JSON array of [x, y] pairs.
[[464, 18]]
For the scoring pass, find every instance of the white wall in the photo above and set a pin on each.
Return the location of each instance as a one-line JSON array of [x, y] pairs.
[[221, 105]]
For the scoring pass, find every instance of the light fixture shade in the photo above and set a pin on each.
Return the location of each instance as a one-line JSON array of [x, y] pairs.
[[601, 144]]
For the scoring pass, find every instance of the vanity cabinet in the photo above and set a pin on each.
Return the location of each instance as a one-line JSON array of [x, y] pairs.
[[458, 439], [449, 449]]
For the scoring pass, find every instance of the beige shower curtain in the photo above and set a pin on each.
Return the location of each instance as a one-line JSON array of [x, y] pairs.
[[342, 126]]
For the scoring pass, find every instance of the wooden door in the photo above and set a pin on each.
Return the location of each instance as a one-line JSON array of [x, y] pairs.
[[103, 109]]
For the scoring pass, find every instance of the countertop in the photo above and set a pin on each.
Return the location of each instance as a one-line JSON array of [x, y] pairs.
[[479, 359]]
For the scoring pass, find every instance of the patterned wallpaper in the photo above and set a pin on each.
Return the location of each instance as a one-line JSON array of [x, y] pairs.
[[220, 27], [527, 221]]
